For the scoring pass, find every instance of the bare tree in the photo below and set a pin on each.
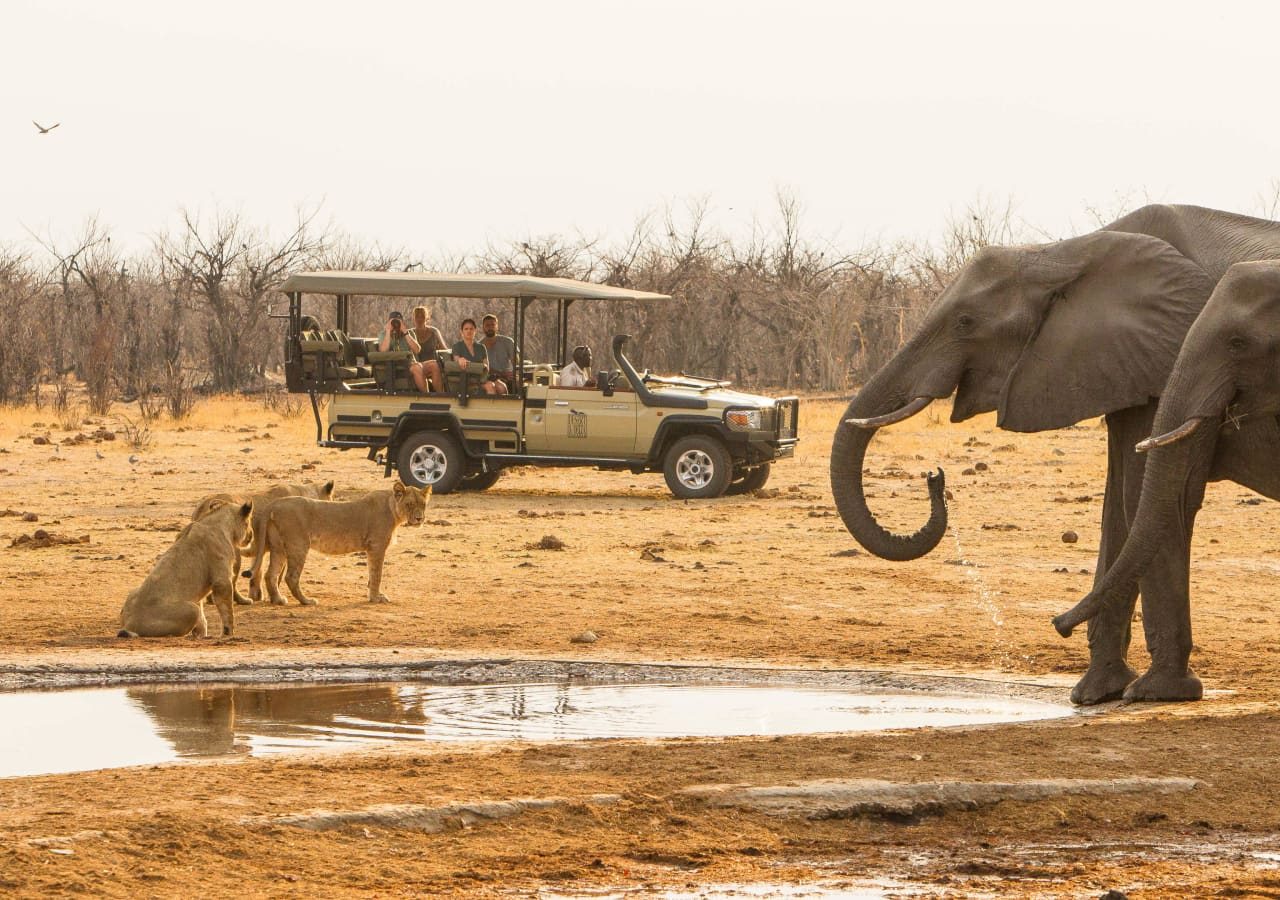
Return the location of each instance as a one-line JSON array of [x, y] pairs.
[[231, 268]]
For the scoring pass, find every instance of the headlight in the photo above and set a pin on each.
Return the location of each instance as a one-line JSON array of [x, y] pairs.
[[743, 419]]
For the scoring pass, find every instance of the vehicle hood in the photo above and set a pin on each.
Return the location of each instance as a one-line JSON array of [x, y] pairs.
[[716, 397]]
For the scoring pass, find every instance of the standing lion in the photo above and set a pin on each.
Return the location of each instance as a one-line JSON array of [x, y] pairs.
[[170, 601], [297, 525]]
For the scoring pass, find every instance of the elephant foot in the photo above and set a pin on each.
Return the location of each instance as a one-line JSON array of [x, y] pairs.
[[1158, 684], [1103, 682]]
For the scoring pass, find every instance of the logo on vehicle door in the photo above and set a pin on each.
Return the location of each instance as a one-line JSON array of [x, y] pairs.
[[577, 424]]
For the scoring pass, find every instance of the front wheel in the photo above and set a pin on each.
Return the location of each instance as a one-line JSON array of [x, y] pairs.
[[697, 467], [432, 458], [480, 481], [752, 481]]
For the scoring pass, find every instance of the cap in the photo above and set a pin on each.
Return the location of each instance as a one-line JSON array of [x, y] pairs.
[[396, 315]]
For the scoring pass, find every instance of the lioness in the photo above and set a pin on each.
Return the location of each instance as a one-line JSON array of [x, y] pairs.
[[297, 525], [170, 601], [261, 506]]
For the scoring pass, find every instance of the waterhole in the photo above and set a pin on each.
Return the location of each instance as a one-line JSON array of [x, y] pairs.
[[99, 728]]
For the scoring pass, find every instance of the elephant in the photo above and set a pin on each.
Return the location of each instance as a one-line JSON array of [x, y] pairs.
[[1224, 392], [1047, 335]]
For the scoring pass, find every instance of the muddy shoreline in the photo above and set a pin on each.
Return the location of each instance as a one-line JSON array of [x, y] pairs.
[[478, 671]]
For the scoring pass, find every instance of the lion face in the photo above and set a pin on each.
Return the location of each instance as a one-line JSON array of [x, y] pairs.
[[411, 503]]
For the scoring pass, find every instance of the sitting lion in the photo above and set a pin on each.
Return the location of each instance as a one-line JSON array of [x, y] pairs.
[[170, 601], [297, 525], [261, 506]]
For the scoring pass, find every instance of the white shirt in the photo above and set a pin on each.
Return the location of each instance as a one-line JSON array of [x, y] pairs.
[[572, 375]]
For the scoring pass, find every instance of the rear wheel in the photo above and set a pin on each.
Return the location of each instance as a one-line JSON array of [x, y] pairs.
[[753, 480], [697, 467], [432, 458], [480, 481]]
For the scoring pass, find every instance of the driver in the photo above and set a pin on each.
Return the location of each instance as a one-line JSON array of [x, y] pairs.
[[578, 372]]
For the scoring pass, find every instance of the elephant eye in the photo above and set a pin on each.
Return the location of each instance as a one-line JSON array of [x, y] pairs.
[[1237, 344], [964, 322]]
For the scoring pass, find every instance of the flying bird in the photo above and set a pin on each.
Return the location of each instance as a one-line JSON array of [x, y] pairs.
[[44, 130]]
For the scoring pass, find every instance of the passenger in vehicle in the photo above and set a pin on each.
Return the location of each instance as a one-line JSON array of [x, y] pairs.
[[502, 354], [468, 352], [396, 337], [430, 340], [578, 372]]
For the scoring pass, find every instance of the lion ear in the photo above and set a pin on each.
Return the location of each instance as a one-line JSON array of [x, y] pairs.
[[398, 488], [246, 510], [328, 488], [427, 491]]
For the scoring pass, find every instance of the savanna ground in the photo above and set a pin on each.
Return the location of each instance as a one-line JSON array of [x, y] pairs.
[[758, 581]]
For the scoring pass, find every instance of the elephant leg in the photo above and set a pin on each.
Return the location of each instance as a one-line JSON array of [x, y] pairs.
[[1112, 629], [1166, 615]]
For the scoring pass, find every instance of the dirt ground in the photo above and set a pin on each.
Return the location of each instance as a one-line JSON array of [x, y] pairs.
[[762, 581]]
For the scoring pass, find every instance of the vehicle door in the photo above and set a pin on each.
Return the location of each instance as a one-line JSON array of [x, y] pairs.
[[584, 422]]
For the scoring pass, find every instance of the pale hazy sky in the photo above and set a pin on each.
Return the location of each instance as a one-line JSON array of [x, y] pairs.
[[438, 126]]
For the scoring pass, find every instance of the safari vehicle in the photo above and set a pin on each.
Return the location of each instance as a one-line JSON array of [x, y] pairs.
[[705, 438]]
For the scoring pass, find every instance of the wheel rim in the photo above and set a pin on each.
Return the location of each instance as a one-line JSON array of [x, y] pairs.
[[428, 464], [694, 469]]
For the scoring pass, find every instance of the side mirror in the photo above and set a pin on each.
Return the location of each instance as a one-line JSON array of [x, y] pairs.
[[605, 383]]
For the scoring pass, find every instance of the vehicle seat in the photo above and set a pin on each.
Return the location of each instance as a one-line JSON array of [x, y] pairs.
[[464, 382], [319, 357], [391, 369], [347, 358]]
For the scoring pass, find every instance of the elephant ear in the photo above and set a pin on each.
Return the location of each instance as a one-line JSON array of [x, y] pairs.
[[1109, 333]]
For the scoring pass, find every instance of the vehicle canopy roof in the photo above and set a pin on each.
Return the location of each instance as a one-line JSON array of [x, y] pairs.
[[434, 284]]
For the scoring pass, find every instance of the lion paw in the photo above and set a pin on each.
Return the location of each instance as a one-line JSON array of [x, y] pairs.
[[381, 598]]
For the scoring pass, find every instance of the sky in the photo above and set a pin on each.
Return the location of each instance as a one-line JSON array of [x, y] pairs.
[[440, 127]]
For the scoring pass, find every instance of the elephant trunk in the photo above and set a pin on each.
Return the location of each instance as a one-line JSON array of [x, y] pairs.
[[1185, 445], [1162, 487], [847, 454]]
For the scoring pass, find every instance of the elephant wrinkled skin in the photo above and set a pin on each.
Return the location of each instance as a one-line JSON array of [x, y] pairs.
[[1048, 335]]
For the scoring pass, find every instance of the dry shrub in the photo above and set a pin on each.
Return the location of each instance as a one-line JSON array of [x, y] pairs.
[[71, 416], [283, 404], [99, 377], [150, 404], [179, 393], [137, 435]]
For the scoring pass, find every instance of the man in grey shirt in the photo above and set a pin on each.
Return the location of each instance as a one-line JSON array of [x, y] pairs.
[[502, 355]]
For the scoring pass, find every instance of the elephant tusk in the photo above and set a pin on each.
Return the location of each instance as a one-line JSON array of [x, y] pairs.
[[1171, 437], [890, 418]]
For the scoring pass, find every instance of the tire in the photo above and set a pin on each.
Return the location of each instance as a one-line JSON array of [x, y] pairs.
[[754, 480], [432, 458], [697, 467], [480, 481]]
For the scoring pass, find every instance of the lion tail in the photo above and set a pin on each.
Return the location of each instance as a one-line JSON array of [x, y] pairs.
[[126, 633], [259, 548]]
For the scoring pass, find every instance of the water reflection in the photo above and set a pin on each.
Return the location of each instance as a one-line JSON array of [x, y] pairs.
[[222, 720], [66, 731]]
